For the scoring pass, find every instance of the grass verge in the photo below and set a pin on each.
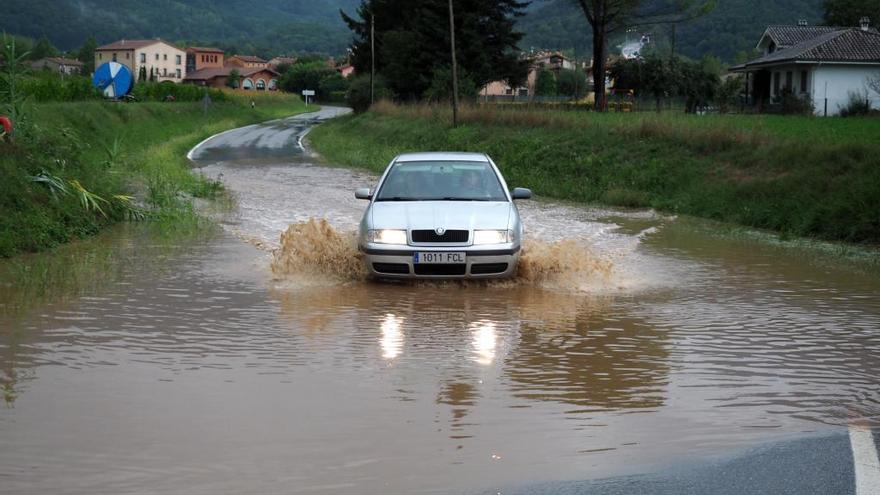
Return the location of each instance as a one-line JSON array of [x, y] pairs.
[[799, 176], [80, 166]]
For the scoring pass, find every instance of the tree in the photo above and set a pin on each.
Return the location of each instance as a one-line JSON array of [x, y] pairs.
[[234, 79], [332, 86], [607, 16], [86, 55], [850, 12], [571, 82], [305, 75], [441, 86], [545, 83], [358, 95], [44, 48], [413, 40]]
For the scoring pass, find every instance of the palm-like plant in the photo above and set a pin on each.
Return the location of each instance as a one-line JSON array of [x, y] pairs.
[[89, 200]]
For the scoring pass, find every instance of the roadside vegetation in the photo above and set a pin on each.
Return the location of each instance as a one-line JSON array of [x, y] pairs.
[[796, 175], [70, 168]]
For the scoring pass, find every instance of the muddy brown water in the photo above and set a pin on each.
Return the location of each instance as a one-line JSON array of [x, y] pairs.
[[181, 363]]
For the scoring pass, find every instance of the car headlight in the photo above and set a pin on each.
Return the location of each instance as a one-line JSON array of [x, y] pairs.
[[387, 236], [493, 236]]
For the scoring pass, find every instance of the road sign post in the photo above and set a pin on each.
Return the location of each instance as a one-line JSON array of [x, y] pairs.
[[307, 93]]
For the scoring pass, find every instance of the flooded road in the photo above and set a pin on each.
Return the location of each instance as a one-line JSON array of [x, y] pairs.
[[181, 363]]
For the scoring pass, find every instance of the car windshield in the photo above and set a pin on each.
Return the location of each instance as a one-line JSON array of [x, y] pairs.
[[441, 181]]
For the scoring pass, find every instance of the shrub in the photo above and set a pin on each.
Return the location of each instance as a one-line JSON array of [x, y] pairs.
[[358, 96], [857, 105], [152, 91]]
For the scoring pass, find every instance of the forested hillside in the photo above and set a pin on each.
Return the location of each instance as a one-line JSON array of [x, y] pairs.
[[285, 26], [733, 26], [264, 26]]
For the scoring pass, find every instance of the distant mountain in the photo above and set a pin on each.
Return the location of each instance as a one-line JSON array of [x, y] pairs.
[[264, 26], [733, 27], [269, 27]]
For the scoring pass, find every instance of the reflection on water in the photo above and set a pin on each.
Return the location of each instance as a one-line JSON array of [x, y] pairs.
[[193, 369], [392, 337]]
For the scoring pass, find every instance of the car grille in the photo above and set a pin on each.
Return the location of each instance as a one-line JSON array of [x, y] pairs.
[[457, 269], [484, 268], [395, 268], [448, 236]]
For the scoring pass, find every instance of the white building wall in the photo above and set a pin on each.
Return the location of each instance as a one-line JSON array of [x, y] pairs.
[[832, 84]]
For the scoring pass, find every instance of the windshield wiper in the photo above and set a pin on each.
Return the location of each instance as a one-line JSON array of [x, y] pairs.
[[397, 198], [453, 198]]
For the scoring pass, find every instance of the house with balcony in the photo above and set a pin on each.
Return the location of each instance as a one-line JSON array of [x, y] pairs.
[[160, 60], [825, 65]]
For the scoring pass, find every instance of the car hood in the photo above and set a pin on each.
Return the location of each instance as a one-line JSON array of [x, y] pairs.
[[446, 214]]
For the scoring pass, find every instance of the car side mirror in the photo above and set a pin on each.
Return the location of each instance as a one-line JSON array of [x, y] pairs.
[[521, 193], [363, 193]]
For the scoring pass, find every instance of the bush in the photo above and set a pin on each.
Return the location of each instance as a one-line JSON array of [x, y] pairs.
[[152, 91], [791, 104], [441, 86], [857, 105], [45, 86], [358, 96], [332, 86], [306, 75]]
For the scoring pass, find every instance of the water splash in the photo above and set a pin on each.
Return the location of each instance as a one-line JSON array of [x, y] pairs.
[[314, 250]]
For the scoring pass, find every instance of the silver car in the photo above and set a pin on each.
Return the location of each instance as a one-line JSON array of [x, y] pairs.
[[441, 215]]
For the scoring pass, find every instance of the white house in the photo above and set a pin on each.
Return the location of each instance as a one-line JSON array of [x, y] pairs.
[[823, 63]]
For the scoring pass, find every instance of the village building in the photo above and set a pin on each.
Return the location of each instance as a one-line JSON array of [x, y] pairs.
[[209, 67], [247, 62], [346, 70], [66, 66], [257, 79], [160, 60], [198, 58], [824, 65]]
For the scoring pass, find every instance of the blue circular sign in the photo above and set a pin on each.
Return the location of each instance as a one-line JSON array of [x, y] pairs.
[[113, 79]]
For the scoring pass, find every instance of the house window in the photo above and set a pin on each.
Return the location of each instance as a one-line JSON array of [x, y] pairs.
[[273, 84], [803, 81], [789, 85], [100, 56], [203, 58], [143, 58], [114, 56], [157, 56], [247, 84], [261, 84], [177, 59], [508, 91], [178, 73], [165, 57], [127, 55], [164, 72], [775, 84]]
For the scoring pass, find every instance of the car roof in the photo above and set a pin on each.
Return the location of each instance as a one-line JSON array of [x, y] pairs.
[[442, 156]]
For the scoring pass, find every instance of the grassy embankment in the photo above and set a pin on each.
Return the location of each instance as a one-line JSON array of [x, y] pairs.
[[112, 150], [816, 177]]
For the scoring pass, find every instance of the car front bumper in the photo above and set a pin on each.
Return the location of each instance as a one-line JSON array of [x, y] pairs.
[[384, 261]]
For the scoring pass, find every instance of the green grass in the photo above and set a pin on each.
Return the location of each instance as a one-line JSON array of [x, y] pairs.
[[800, 176], [111, 149]]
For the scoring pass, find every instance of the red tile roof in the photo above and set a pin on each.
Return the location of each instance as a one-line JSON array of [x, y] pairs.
[[131, 44]]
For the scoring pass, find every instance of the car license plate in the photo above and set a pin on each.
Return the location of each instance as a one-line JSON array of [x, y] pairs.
[[438, 258]]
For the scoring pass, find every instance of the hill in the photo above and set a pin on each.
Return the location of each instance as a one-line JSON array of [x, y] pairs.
[[270, 27], [264, 27]]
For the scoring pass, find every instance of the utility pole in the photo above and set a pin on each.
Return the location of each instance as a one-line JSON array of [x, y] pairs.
[[454, 68], [372, 55]]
